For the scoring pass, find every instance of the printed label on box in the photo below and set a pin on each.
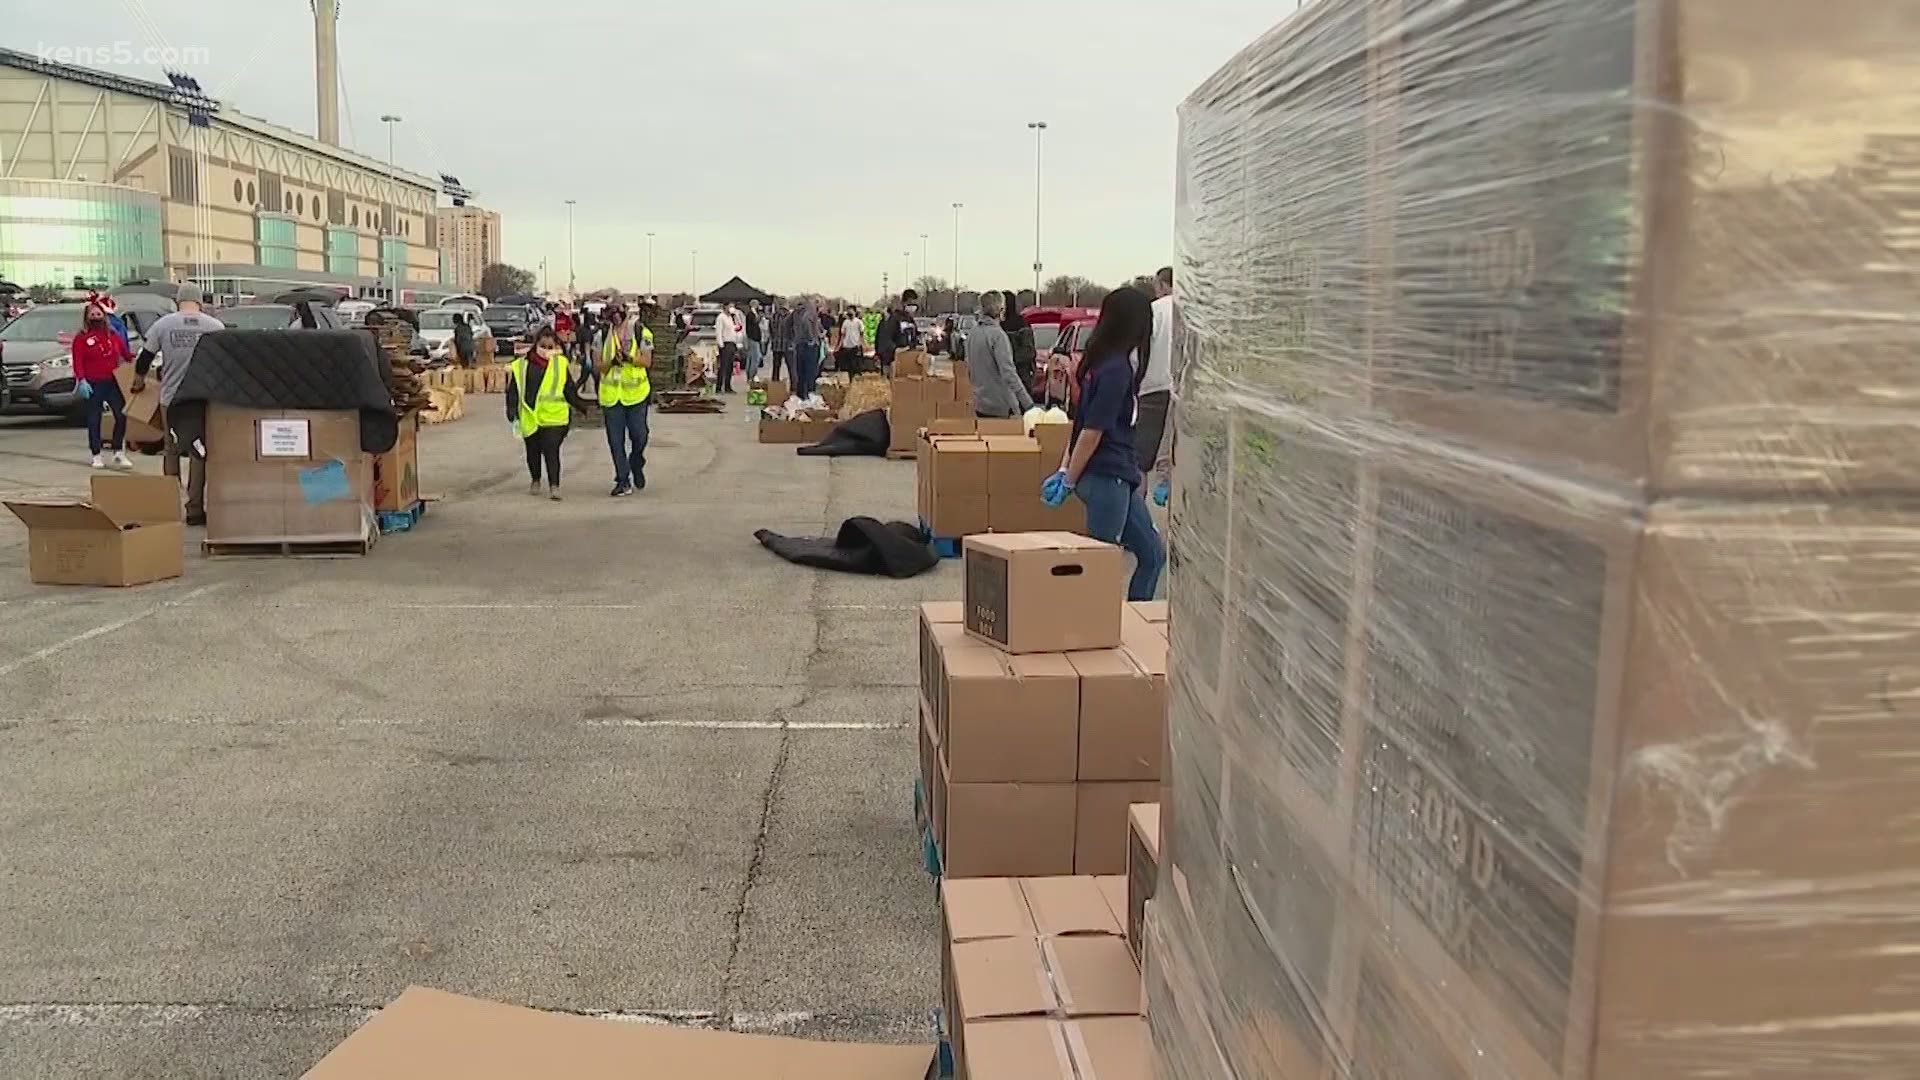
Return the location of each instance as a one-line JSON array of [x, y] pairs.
[[286, 439], [987, 595]]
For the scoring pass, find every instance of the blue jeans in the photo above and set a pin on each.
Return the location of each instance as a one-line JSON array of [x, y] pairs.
[[754, 355], [1117, 514], [806, 367], [628, 423], [106, 395]]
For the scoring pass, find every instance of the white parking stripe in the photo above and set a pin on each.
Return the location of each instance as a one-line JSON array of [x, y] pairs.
[[106, 628]]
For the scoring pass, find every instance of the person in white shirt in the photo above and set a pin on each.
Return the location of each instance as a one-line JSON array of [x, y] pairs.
[[853, 347], [731, 331], [1156, 383]]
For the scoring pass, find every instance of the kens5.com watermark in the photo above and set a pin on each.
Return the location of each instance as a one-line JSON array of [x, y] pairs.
[[124, 53]]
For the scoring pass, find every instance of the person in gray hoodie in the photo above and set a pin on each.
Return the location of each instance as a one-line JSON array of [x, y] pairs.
[[997, 389], [806, 347]]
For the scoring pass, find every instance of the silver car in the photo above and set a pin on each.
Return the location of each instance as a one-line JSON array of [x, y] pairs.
[[36, 354]]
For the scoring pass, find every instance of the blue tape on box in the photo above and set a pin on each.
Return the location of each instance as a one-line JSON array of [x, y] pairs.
[[325, 483]]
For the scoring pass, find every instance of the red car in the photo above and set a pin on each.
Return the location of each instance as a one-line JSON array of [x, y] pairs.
[[1065, 345]]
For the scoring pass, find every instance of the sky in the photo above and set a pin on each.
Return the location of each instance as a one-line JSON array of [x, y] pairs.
[[804, 147]]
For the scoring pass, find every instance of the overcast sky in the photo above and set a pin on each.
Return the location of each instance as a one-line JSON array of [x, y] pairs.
[[802, 146]]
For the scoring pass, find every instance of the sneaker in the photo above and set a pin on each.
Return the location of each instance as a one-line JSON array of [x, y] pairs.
[[554, 493], [196, 520], [97, 463], [533, 489], [121, 463], [619, 490], [639, 484]]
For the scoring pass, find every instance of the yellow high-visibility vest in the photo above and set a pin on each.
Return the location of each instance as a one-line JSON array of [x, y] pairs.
[[548, 406], [625, 383]]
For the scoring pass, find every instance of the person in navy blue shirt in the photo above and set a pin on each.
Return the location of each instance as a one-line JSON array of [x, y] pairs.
[[1102, 467]]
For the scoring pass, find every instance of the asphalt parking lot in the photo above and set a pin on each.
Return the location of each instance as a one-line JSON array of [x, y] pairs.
[[605, 756]]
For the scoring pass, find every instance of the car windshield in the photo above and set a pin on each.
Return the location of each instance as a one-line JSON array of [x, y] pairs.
[[258, 317], [436, 320], [43, 324], [705, 320], [507, 315], [1046, 336]]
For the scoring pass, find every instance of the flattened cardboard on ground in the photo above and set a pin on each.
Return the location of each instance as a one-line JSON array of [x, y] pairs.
[[433, 1035], [1009, 717], [1123, 714], [129, 533], [1100, 824], [1044, 592]]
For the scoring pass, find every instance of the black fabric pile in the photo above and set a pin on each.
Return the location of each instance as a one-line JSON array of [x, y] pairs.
[[864, 546], [287, 369], [866, 435]]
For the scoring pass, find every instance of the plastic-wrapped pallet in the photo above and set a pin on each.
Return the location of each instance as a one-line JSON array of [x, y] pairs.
[[1546, 631]]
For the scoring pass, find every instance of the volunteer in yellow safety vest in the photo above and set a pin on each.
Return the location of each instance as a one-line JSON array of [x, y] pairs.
[[541, 396], [626, 396]]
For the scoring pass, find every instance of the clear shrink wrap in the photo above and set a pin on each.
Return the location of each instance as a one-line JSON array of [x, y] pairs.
[[1546, 548]]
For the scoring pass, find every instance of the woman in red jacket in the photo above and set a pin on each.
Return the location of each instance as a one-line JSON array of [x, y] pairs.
[[97, 351]]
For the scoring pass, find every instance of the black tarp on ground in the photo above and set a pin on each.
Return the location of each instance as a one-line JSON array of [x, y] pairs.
[[864, 546], [866, 435], [287, 369]]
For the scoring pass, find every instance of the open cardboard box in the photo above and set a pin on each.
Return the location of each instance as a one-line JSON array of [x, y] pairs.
[[128, 534], [433, 1035]]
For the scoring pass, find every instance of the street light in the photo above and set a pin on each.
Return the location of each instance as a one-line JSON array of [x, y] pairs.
[[956, 256], [696, 275], [1039, 129], [393, 190], [650, 237], [571, 282], [908, 279], [925, 269]]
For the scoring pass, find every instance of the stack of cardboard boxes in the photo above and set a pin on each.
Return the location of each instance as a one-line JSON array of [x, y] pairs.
[[803, 430], [919, 396], [1038, 981], [1043, 710], [1546, 581], [978, 476], [485, 379]]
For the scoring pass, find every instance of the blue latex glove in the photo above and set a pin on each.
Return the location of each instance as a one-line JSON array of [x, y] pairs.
[[1056, 489], [84, 389], [1160, 493]]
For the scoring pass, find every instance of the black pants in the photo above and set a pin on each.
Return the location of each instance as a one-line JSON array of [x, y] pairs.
[[779, 361], [1151, 427], [544, 445], [729, 355]]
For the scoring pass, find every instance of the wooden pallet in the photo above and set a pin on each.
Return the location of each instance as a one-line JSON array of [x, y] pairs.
[[902, 455], [393, 521], [287, 549]]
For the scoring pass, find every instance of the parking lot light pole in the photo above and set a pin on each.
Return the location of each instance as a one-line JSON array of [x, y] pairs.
[[393, 209], [1039, 129], [956, 256]]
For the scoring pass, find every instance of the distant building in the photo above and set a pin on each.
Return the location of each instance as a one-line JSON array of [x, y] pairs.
[[106, 178], [469, 243]]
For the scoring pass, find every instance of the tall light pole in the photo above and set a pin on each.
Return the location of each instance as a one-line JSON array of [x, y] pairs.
[[925, 269], [1039, 129], [696, 275], [956, 256], [546, 285], [393, 190], [650, 264], [908, 279], [571, 282]]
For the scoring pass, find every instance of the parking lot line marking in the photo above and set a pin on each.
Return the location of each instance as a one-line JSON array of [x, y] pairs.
[[160, 1014], [88, 635], [750, 725]]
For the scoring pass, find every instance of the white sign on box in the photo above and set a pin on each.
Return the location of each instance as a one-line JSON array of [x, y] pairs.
[[285, 439]]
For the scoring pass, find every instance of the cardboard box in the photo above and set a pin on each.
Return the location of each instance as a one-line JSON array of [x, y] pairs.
[[954, 486], [936, 613], [1123, 717], [1152, 611], [1008, 717], [286, 476], [1113, 887], [907, 412], [1100, 824], [802, 432], [1012, 463], [396, 473], [432, 1035], [130, 533], [946, 636], [1068, 906], [1143, 869], [1044, 592], [144, 424], [1053, 440], [952, 410], [1104, 1048], [929, 771], [911, 362], [1006, 829], [982, 909]]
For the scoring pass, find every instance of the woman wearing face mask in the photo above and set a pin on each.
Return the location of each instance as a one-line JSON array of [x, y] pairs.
[[97, 351], [541, 396]]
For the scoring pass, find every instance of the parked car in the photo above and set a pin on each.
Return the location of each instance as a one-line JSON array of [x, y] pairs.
[[1055, 380], [508, 323], [280, 317], [354, 312], [436, 329]]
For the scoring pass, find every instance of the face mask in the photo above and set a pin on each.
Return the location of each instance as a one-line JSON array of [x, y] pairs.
[[913, 309]]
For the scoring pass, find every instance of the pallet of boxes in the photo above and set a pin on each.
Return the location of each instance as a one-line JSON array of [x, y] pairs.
[[918, 396], [1546, 603], [982, 475], [1043, 721], [291, 422]]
